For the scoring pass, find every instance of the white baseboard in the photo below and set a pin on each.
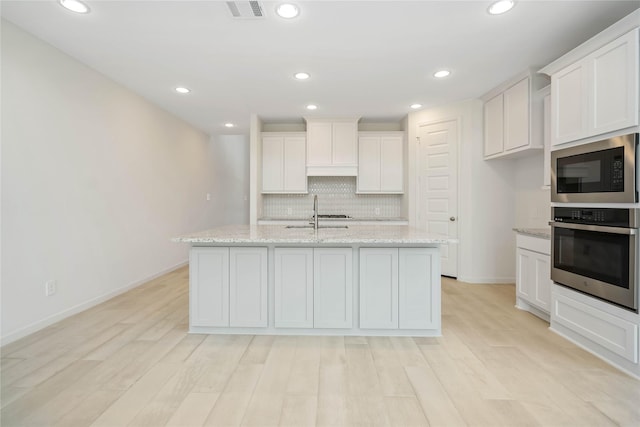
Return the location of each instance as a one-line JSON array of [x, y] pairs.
[[487, 280], [41, 324]]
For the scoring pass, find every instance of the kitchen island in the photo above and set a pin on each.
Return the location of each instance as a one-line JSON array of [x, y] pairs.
[[355, 280]]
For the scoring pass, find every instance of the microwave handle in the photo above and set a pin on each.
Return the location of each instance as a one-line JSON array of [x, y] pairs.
[[600, 228]]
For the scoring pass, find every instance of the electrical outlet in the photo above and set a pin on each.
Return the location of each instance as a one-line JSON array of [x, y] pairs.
[[377, 211], [208, 196], [50, 288]]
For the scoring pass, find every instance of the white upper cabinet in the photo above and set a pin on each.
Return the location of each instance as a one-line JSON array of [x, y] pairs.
[[598, 93], [493, 126], [332, 147], [546, 177], [569, 104], [516, 116], [284, 163], [513, 118], [615, 84], [380, 162]]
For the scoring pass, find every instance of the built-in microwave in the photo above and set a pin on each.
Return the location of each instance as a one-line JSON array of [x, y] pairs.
[[597, 172]]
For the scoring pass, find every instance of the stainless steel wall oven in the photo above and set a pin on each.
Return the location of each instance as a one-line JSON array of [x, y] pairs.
[[594, 251]]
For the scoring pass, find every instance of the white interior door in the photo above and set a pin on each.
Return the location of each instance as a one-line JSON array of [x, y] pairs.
[[438, 186]]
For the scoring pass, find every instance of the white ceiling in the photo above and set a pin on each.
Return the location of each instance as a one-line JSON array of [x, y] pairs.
[[367, 58]]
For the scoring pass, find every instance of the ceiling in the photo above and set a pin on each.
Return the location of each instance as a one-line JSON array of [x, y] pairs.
[[366, 58]]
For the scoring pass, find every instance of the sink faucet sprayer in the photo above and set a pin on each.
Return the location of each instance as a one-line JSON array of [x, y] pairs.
[[315, 212]]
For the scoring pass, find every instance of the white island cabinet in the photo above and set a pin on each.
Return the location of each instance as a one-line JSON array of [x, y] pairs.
[[392, 291], [228, 287], [360, 280]]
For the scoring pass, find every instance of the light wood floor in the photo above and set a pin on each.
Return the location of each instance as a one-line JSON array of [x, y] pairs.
[[130, 361]]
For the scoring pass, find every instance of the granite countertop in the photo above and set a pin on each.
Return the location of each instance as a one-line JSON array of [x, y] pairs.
[[351, 219], [544, 233], [373, 234]]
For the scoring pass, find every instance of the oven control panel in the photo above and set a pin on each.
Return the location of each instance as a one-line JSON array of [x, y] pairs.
[[613, 217]]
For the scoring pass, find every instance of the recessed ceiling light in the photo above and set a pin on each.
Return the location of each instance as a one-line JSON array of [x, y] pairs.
[[501, 6], [302, 76], [181, 89], [442, 73], [416, 106], [75, 6], [229, 125], [287, 10], [312, 107]]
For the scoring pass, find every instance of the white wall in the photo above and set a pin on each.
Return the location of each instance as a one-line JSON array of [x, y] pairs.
[[532, 202], [230, 191], [486, 252], [95, 181]]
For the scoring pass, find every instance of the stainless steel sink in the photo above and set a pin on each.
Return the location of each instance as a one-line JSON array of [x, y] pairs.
[[320, 226]]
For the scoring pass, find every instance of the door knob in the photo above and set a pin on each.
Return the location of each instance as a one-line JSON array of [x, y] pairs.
[[453, 218]]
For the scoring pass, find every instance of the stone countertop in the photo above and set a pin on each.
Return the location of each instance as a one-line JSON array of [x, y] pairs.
[[356, 234], [376, 219], [544, 233]]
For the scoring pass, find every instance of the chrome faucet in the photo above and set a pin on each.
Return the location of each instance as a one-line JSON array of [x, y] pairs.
[[315, 212]]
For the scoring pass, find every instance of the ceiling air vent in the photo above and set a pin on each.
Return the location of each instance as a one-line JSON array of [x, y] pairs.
[[245, 9]]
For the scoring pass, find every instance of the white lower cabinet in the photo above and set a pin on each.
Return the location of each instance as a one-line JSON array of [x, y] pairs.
[[419, 297], [606, 330], [332, 288], [228, 287], [275, 290], [248, 287], [209, 287], [533, 274], [399, 288], [379, 288], [313, 288], [293, 287]]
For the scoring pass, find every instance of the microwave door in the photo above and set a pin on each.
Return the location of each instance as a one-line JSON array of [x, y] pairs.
[[599, 172]]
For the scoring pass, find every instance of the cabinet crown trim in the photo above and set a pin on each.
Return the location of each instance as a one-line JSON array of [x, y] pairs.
[[333, 119]]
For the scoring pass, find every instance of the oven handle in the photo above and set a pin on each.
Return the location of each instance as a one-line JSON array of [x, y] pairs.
[[600, 228]]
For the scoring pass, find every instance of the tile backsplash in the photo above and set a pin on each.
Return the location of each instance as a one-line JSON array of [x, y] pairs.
[[336, 195]]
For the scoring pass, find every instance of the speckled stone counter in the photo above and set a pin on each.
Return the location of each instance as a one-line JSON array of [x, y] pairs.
[[543, 233], [279, 234]]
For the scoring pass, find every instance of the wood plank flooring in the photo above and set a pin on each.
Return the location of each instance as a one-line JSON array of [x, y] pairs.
[[130, 362]]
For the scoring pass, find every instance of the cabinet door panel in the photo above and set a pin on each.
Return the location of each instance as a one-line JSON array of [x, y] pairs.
[[319, 136], [493, 126], [248, 287], [516, 115], [293, 288], [419, 288], [542, 285], [295, 169], [379, 288], [272, 163], [569, 104], [209, 287], [615, 85], [523, 279], [369, 163], [332, 288], [391, 160], [345, 143]]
